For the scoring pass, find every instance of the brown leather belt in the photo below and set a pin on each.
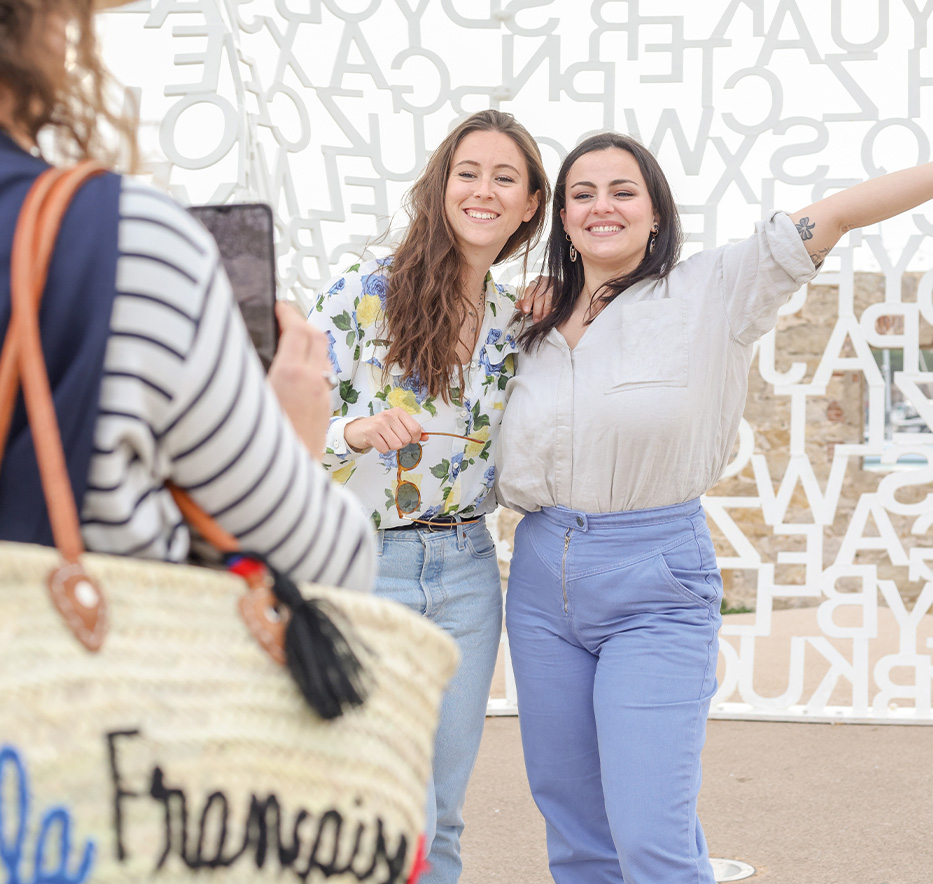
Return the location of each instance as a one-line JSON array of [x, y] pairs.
[[435, 524]]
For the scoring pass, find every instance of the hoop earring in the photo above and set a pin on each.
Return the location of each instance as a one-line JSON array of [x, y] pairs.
[[573, 251], [652, 240]]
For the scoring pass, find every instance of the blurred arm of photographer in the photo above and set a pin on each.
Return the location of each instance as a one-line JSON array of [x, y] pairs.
[[301, 376], [153, 375]]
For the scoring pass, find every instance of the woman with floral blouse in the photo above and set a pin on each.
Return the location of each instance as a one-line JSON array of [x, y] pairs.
[[423, 350]]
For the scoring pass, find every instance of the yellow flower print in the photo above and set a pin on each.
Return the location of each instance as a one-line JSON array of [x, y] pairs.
[[453, 499], [368, 311], [399, 398], [508, 366], [473, 449], [343, 474]]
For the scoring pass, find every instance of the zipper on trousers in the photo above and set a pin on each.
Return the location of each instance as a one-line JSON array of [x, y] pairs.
[[563, 567]]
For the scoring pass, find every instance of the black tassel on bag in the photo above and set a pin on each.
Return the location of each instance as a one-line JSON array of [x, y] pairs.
[[319, 657]]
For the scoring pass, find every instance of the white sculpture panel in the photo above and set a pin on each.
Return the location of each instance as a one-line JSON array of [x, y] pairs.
[[327, 109]]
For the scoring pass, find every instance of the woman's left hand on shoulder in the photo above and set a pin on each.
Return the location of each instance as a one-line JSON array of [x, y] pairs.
[[536, 301]]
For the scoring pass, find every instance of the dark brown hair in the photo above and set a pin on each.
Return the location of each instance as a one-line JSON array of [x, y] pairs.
[[76, 107], [567, 276], [424, 308]]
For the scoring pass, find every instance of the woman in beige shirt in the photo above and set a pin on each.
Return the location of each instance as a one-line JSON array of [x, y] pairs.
[[623, 412]]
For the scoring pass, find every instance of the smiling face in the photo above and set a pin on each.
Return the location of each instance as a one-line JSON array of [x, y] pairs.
[[608, 213], [487, 195]]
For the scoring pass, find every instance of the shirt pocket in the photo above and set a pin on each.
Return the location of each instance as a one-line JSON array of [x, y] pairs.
[[495, 368], [374, 352], [494, 358], [651, 349]]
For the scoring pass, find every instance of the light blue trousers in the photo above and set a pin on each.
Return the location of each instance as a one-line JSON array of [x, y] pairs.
[[612, 622], [451, 577]]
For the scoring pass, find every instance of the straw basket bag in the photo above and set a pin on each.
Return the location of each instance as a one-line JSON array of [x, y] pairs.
[[179, 749]]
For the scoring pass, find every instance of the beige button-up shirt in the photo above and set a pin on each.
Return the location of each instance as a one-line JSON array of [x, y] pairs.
[[644, 410]]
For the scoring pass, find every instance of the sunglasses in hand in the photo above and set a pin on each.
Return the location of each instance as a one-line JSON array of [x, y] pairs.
[[407, 494]]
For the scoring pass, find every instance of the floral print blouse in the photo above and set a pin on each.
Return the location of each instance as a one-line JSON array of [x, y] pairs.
[[454, 476]]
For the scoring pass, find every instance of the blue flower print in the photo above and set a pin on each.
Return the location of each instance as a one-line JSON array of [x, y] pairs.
[[336, 287], [456, 464], [411, 383], [494, 350], [389, 460], [468, 408], [414, 384], [375, 284], [331, 352], [431, 512], [486, 365], [490, 477]]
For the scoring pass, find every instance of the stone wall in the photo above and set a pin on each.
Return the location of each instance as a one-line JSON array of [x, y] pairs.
[[836, 418]]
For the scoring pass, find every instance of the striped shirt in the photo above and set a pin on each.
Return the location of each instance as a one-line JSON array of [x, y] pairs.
[[184, 398]]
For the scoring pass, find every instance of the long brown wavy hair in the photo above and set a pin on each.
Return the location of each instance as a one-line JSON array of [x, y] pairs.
[[78, 107], [424, 308]]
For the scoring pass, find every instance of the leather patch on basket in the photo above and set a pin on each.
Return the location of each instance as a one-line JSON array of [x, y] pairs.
[[265, 621], [80, 602]]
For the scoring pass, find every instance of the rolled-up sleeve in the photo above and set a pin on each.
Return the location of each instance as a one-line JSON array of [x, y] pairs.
[[760, 273]]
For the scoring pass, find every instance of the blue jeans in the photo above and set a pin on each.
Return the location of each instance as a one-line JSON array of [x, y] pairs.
[[613, 621], [451, 577]]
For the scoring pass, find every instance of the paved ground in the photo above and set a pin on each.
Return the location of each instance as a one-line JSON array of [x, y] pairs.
[[802, 803]]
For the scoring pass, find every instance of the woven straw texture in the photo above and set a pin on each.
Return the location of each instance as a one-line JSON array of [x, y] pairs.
[[182, 752]]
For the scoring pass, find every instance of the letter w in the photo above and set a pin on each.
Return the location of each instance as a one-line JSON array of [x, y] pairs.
[[822, 506], [669, 121]]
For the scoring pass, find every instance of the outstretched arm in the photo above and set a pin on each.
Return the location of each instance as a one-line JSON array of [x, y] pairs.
[[822, 224]]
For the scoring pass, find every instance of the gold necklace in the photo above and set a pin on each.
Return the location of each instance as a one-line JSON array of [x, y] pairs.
[[478, 310]]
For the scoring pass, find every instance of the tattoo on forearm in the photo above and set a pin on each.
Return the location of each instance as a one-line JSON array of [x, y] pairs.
[[804, 228], [818, 256]]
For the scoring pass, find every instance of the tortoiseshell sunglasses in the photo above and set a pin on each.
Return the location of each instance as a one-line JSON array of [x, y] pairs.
[[407, 494]]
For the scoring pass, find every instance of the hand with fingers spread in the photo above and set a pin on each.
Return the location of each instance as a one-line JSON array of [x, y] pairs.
[[387, 431], [301, 376], [536, 301]]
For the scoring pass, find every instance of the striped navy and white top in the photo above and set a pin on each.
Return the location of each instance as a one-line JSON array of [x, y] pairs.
[[184, 398]]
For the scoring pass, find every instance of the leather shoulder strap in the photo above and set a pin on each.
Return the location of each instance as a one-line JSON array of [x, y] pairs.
[[36, 231]]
